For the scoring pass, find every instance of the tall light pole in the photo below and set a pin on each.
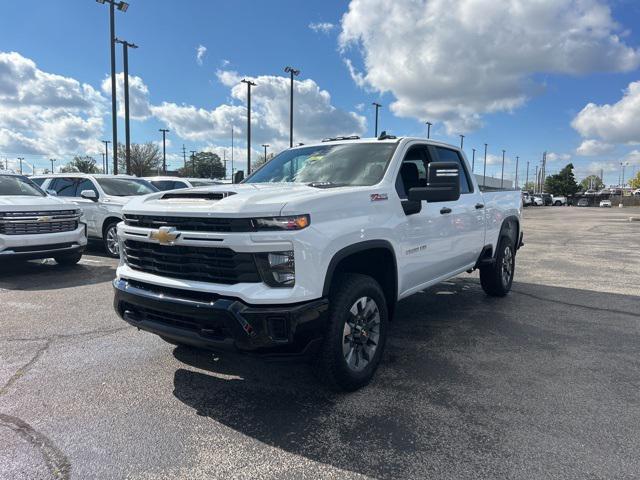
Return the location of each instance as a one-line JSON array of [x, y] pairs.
[[484, 172], [293, 73], [249, 85], [473, 159], [265, 145], [20, 159], [127, 136], [461, 141], [122, 6], [106, 154], [377, 105], [164, 149], [232, 128], [527, 180], [103, 160], [502, 174], [516, 181], [429, 129], [52, 160]]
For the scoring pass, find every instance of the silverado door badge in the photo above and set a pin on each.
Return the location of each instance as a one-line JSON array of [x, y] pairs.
[[377, 197], [165, 235]]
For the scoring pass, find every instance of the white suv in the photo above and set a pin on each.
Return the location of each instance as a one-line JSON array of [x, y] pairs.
[[101, 198]]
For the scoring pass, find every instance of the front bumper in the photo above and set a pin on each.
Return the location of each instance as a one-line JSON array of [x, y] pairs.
[[43, 245], [209, 321]]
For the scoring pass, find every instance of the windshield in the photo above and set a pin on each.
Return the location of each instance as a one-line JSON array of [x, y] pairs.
[[328, 165], [125, 187], [17, 185]]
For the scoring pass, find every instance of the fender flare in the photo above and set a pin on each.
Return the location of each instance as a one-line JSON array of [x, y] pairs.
[[355, 248], [516, 235]]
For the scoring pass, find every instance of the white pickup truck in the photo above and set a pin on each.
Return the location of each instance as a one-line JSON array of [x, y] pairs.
[[35, 225], [310, 254]]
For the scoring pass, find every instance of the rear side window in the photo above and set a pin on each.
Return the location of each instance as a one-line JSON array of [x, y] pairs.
[[64, 187], [447, 155]]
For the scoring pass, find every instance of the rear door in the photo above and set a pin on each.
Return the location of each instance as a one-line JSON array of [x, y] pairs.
[[466, 218], [92, 209]]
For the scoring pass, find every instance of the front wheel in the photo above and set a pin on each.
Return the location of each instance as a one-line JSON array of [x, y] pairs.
[[68, 259], [496, 279], [558, 204], [110, 239], [356, 333]]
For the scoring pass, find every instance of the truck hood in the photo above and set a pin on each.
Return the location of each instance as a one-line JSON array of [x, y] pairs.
[[246, 200], [21, 203]]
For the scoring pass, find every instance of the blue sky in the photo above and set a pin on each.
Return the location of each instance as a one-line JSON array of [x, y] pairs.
[[417, 70]]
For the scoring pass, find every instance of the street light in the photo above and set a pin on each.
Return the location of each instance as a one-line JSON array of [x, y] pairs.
[[106, 155], [502, 174], [461, 141], [164, 149], [293, 73], [193, 162], [121, 6], [265, 145], [516, 181], [127, 136], [484, 172], [473, 159], [377, 105], [52, 160], [20, 159], [249, 85], [429, 129]]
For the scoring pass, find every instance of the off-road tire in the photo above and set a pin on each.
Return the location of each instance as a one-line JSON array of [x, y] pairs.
[[331, 364]]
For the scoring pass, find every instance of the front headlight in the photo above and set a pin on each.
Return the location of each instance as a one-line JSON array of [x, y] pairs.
[[294, 222], [277, 269]]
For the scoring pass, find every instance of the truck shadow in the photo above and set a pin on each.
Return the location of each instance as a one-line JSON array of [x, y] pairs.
[[457, 364]]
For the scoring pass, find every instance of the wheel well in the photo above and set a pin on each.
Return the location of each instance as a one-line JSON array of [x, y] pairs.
[[511, 228], [107, 222], [377, 261]]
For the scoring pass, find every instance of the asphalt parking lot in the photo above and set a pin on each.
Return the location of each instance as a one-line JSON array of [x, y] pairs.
[[541, 384]]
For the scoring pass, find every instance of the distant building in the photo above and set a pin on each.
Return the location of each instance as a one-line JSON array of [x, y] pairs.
[[492, 182]]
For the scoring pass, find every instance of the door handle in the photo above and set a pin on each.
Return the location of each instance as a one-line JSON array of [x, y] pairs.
[[479, 206], [445, 210]]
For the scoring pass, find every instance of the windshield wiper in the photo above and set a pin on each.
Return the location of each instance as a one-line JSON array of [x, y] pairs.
[[326, 184]]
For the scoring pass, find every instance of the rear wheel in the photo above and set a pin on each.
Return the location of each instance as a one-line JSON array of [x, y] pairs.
[[356, 333], [496, 279], [68, 259], [558, 204], [110, 239]]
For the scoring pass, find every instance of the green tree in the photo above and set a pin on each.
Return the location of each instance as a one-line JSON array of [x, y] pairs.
[[145, 159], [562, 183], [82, 164], [261, 160], [529, 186], [203, 165], [592, 181], [635, 181]]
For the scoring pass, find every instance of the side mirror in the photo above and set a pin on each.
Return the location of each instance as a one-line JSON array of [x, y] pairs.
[[238, 176], [53, 193], [89, 195], [443, 184]]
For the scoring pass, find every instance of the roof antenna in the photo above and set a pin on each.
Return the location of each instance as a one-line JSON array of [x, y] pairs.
[[384, 136]]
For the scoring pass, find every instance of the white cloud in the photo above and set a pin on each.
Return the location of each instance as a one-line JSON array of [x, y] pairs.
[[201, 51], [45, 113], [314, 116], [555, 157], [138, 96], [322, 27], [617, 123], [455, 61], [592, 148]]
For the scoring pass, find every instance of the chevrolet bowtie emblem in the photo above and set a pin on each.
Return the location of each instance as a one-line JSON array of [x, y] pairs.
[[165, 235], [43, 219]]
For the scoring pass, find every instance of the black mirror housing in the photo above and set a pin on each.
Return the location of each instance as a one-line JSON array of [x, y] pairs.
[[443, 184]]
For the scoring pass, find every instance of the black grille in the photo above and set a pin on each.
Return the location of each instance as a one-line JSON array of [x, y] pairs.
[[190, 223], [216, 265], [54, 213], [32, 228], [213, 327]]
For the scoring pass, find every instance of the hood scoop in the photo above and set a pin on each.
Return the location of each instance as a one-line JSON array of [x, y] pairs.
[[203, 196]]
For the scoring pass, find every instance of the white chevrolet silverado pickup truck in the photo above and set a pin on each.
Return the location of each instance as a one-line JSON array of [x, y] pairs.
[[35, 225], [310, 254]]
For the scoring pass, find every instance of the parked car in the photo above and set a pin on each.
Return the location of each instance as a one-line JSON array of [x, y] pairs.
[[278, 266], [173, 183], [36, 225], [605, 203], [537, 201], [583, 202], [101, 198], [526, 199], [558, 200], [636, 192], [590, 192]]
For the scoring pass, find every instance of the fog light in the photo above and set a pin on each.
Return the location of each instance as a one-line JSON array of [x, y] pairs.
[[277, 269]]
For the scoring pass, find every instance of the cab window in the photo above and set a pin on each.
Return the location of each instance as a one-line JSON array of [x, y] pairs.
[[448, 155]]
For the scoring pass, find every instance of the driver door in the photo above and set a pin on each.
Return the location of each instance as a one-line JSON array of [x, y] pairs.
[[90, 208]]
